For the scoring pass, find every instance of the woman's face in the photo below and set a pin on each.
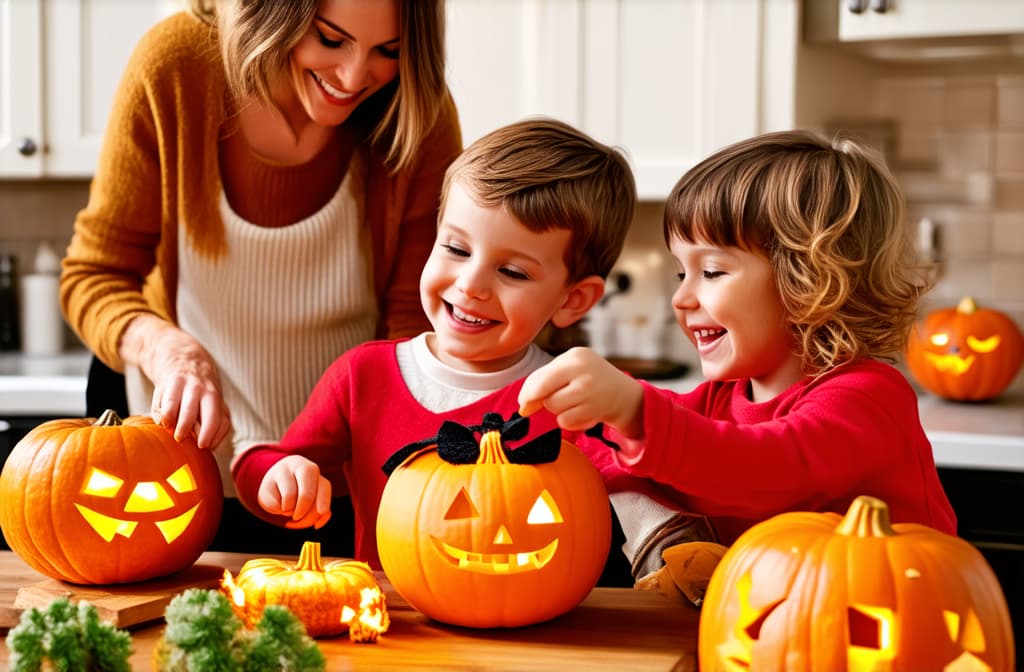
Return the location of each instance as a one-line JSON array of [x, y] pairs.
[[349, 52]]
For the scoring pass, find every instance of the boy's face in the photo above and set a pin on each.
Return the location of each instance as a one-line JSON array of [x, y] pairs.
[[490, 284], [727, 305]]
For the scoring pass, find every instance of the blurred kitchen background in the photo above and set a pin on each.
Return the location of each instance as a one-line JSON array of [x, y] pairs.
[[938, 85]]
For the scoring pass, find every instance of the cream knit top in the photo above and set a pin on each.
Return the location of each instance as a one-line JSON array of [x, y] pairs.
[[274, 312]]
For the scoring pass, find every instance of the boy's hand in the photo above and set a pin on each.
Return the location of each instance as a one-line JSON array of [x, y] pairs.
[[581, 389], [294, 487]]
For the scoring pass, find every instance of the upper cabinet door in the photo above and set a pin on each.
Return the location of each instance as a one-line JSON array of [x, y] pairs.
[[853, 20], [669, 81], [21, 86], [60, 62]]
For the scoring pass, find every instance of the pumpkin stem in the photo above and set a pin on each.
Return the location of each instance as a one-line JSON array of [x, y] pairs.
[[491, 451], [866, 517], [110, 418], [967, 306], [309, 557]]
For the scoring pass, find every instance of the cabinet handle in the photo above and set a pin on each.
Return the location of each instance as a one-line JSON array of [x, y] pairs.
[[856, 6], [879, 6], [27, 147]]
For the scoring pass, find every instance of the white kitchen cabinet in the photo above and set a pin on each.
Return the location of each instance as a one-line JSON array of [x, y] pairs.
[[667, 80], [896, 19], [60, 61]]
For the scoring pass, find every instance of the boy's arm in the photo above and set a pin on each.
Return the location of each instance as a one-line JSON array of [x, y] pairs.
[[320, 433]]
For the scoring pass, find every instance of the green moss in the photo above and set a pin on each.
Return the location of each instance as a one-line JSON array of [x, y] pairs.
[[72, 638]]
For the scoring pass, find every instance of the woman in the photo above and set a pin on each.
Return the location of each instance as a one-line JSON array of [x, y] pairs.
[[265, 199]]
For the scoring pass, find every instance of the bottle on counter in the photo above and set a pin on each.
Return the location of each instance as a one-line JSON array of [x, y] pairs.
[[42, 323], [10, 329]]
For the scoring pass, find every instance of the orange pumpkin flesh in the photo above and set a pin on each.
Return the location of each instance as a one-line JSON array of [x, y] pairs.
[[494, 544], [815, 591], [965, 353], [326, 597], [109, 501]]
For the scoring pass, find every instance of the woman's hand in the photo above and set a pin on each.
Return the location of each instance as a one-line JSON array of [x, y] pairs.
[[581, 389], [293, 487], [187, 394]]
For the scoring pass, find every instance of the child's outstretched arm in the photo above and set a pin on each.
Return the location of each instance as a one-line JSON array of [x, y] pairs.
[[581, 388], [294, 487]]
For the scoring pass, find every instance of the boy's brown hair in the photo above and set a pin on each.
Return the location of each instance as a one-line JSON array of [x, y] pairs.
[[549, 175], [828, 215]]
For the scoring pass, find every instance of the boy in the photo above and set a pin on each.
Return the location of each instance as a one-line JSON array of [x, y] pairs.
[[533, 217]]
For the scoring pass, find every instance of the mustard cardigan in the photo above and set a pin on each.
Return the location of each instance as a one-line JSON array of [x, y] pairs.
[[158, 169]]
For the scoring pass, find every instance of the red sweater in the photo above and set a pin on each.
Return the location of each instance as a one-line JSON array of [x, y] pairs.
[[359, 414], [853, 431]]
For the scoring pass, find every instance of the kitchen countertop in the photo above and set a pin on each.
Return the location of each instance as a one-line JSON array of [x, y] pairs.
[[979, 435], [612, 629]]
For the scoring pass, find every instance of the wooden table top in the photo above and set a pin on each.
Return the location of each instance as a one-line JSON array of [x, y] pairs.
[[613, 629]]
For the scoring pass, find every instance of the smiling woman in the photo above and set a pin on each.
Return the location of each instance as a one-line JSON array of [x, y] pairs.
[[241, 236]]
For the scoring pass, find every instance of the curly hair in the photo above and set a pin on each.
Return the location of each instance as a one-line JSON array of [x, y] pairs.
[[829, 217], [550, 175]]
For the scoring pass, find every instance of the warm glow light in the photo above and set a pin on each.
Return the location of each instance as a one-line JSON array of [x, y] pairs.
[[502, 536], [148, 496], [496, 563], [950, 363], [102, 484], [939, 339], [544, 511], [173, 528], [871, 658], [371, 621], [182, 480], [106, 526], [983, 345], [236, 593]]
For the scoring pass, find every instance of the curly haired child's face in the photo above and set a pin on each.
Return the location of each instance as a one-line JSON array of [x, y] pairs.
[[727, 305], [490, 285], [348, 54]]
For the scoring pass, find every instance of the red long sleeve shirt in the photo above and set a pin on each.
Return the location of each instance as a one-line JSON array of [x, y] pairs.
[[817, 446]]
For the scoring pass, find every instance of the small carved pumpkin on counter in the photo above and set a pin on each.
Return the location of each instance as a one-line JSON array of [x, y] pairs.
[[109, 501], [817, 591], [328, 598], [965, 353], [473, 534]]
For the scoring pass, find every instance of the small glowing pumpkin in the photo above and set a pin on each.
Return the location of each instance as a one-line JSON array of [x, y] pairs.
[[965, 353], [109, 501], [817, 591], [483, 537], [327, 597]]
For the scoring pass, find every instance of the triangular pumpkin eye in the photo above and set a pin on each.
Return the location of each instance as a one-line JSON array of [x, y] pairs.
[[461, 507], [544, 511], [102, 484]]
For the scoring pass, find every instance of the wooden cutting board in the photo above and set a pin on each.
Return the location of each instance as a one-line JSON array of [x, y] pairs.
[[121, 605]]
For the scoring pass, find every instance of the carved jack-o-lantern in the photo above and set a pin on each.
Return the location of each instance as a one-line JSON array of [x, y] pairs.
[[965, 353], [108, 502], [816, 591], [500, 538]]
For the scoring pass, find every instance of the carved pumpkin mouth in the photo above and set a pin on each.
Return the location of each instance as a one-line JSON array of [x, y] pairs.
[[496, 563], [107, 526], [954, 364]]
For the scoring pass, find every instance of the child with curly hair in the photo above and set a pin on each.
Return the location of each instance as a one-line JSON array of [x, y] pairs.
[[797, 282]]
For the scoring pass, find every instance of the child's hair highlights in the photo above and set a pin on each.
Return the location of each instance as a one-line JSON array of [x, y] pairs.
[[829, 216], [549, 175]]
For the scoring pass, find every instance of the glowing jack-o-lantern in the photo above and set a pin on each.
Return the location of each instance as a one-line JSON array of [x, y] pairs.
[[499, 538], [965, 353], [329, 598], [816, 591], [109, 501]]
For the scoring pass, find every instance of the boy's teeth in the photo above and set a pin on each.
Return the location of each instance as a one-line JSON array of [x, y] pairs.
[[467, 318]]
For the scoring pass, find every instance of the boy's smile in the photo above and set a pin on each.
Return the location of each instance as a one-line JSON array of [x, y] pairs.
[[490, 284]]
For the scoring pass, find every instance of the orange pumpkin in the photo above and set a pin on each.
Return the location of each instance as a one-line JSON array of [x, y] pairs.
[[326, 597], [817, 591], [965, 353], [490, 542], [109, 501]]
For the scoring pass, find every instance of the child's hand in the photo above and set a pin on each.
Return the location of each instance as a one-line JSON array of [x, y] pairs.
[[581, 389], [294, 487]]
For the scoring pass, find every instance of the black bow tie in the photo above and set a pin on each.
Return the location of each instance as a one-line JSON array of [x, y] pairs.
[[459, 444]]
